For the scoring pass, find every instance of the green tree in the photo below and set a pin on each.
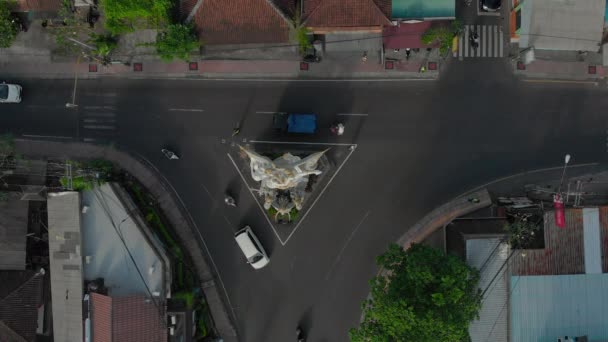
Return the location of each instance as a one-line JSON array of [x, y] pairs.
[[104, 44], [424, 296], [442, 35], [8, 29], [177, 41]]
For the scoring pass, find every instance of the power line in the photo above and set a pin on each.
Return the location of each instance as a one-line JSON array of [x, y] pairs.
[[394, 34]]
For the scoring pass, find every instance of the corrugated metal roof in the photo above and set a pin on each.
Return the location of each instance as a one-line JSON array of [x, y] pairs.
[[563, 252], [562, 25], [489, 256], [546, 307], [591, 239], [604, 237], [109, 259], [66, 266]]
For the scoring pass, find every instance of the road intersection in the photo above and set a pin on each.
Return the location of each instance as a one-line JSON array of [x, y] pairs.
[[418, 144]]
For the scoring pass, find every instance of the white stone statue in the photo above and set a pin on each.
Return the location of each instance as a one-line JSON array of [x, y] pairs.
[[287, 173]]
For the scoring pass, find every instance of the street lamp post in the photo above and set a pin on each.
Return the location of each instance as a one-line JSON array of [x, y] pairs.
[[558, 201], [561, 182]]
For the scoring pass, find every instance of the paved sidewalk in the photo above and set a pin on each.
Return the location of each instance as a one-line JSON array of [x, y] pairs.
[[565, 70], [212, 69], [444, 215], [168, 200]]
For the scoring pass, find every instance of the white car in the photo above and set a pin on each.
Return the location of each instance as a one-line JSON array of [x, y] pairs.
[[10, 93], [252, 248]]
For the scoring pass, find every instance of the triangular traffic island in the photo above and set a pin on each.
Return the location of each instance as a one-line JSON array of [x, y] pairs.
[[287, 180]]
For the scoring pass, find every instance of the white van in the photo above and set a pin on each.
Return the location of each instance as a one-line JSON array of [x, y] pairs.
[[251, 247]]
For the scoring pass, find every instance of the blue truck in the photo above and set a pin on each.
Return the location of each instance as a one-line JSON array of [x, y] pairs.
[[295, 123]]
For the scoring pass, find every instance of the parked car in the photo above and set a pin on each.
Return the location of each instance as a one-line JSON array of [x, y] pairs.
[[490, 5], [10, 93], [251, 247]]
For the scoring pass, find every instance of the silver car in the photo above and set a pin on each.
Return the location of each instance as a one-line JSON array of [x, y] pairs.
[[10, 93]]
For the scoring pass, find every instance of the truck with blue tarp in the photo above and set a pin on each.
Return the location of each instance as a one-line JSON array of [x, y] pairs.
[[295, 123]]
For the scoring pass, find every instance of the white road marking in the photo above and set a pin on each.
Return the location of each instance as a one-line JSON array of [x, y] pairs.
[[98, 120], [263, 112], [101, 94], [186, 110], [352, 114], [99, 127], [46, 136], [256, 200], [298, 143], [350, 237], [43, 106], [321, 194], [208, 192], [102, 115], [99, 107]]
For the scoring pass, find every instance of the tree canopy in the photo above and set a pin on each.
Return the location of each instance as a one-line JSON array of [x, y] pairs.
[[8, 29], [423, 295], [177, 41]]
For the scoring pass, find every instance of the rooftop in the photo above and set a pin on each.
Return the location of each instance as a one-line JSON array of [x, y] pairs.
[[488, 255], [346, 14], [66, 265], [240, 21], [13, 228], [562, 25], [106, 255], [20, 296], [127, 319], [423, 9], [544, 308]]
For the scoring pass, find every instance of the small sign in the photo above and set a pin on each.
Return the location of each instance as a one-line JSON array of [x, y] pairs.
[[92, 67], [389, 65], [304, 66], [138, 67], [193, 66]]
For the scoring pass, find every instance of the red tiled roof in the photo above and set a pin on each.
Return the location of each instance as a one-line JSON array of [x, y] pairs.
[[38, 5], [338, 13], [127, 319], [242, 21], [101, 317]]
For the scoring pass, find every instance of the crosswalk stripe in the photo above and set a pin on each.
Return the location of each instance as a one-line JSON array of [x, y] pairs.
[[490, 42], [484, 37], [460, 47], [466, 40], [501, 43]]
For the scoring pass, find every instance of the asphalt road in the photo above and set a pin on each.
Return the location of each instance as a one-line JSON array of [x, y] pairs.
[[420, 144]]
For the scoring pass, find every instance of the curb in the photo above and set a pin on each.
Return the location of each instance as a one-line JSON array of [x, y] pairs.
[[174, 210], [395, 76], [443, 215]]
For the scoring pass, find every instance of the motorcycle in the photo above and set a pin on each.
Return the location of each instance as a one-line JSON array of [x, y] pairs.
[[230, 201], [474, 38], [169, 154], [300, 335]]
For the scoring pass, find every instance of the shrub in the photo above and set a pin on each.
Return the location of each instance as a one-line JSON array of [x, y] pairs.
[[177, 41], [8, 29]]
